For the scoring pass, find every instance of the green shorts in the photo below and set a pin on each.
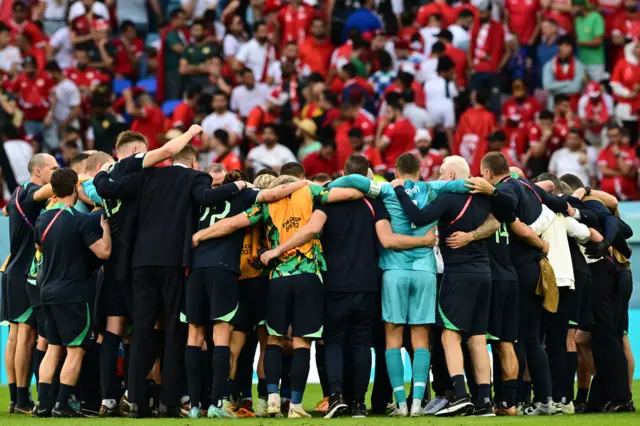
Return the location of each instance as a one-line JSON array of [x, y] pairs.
[[408, 297]]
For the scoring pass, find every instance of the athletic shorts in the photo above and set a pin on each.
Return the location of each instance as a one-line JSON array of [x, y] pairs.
[[570, 303], [41, 323], [111, 295], [68, 324], [408, 297], [464, 302], [252, 309], [211, 294], [585, 313], [503, 313], [296, 301], [16, 306]]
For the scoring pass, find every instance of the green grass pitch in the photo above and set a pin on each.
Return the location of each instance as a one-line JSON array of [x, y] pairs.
[[313, 394]]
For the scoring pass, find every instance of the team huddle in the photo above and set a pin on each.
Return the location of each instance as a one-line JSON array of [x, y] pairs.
[[135, 290]]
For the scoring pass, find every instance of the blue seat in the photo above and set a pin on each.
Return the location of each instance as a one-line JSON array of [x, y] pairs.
[[151, 39], [169, 106], [120, 85], [148, 84]]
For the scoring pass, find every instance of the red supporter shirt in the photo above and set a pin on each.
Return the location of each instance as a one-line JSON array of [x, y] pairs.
[[470, 141], [122, 63], [343, 147], [459, 58], [31, 30], [609, 10], [418, 91], [448, 14], [314, 163], [316, 55], [183, 116], [623, 187], [564, 20], [517, 139], [33, 95], [87, 77], [230, 162], [522, 18], [528, 109], [487, 46], [628, 75], [373, 156], [258, 117], [401, 135], [294, 22], [429, 164], [151, 125], [556, 141]]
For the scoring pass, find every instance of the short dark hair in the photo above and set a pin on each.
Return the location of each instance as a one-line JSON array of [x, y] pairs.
[[482, 96], [126, 24], [350, 70], [438, 47], [384, 59], [266, 171], [198, 22], [78, 158], [10, 131], [355, 132], [496, 162], [271, 127], [245, 70], [222, 135], [546, 115], [565, 39], [4, 27], [52, 66], [465, 13], [445, 64], [63, 182], [446, 34], [292, 169], [572, 180], [219, 93], [19, 5], [405, 78], [328, 143], [560, 97], [408, 164], [188, 153], [548, 176], [356, 165], [127, 137], [235, 176], [258, 24], [192, 92], [177, 11]]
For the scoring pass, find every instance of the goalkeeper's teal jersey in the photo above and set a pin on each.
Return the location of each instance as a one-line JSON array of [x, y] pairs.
[[422, 193]]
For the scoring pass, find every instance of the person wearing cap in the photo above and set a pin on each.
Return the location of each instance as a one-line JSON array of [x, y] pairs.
[[590, 38], [527, 106], [594, 110], [306, 129], [267, 113], [564, 74], [625, 85], [576, 158], [430, 159]]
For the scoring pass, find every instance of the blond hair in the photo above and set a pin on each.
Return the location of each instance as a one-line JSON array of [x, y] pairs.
[[263, 181], [458, 166]]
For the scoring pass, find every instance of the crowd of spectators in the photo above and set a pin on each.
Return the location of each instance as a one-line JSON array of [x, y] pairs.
[[553, 84]]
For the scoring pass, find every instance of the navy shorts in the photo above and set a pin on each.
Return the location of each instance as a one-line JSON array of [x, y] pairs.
[[68, 324], [503, 315], [211, 294], [464, 303], [296, 301], [16, 307], [252, 307]]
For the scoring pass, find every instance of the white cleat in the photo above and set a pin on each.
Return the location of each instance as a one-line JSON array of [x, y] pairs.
[[261, 408], [400, 412], [297, 412], [416, 409], [273, 406]]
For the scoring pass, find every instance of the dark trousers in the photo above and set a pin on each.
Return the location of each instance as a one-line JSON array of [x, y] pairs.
[[611, 381], [157, 290], [349, 319], [441, 379], [491, 82], [529, 348], [556, 328], [382, 392]]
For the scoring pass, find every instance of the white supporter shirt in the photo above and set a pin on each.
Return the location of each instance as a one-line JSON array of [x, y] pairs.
[[564, 161], [254, 55], [9, 56], [262, 157], [19, 153], [440, 107], [243, 99], [227, 121], [200, 7], [55, 10], [68, 97], [61, 43], [419, 117], [231, 45], [461, 37]]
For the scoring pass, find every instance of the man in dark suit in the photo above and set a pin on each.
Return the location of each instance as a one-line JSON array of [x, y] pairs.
[[169, 200]]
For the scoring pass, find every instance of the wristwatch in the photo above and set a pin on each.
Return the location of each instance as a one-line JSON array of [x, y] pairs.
[[587, 190]]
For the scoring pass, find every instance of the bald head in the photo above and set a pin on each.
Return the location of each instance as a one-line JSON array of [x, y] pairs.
[[41, 167], [454, 167]]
